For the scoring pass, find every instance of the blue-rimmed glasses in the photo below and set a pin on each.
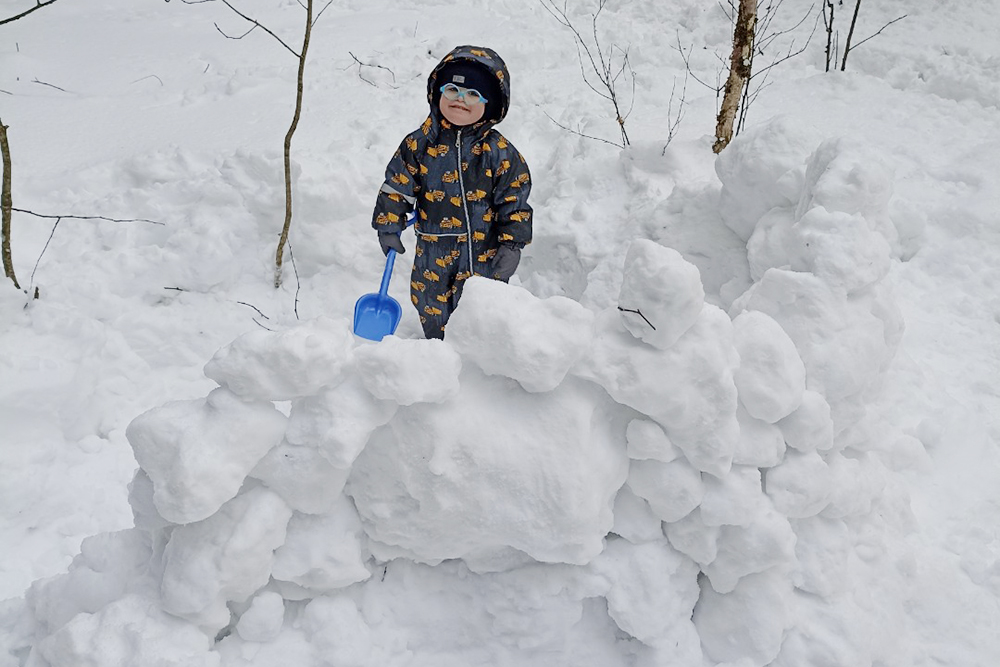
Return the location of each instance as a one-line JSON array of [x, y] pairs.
[[467, 95]]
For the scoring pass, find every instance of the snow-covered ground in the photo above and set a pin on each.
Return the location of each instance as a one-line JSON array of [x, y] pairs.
[[796, 467]]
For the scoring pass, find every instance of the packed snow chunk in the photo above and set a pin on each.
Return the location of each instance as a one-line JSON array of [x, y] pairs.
[[800, 486], [653, 588], [671, 489], [197, 453], [841, 342], [661, 294], [302, 476], [635, 519], [322, 553], [131, 631], [505, 330], [339, 634], [771, 377], [263, 620], [693, 538], [846, 631], [844, 176], [810, 427], [838, 247], [822, 552], [743, 550], [101, 573], [688, 389], [855, 482], [338, 421], [408, 371], [282, 365], [761, 169], [748, 623], [646, 440], [735, 499], [761, 444], [495, 467], [224, 558]]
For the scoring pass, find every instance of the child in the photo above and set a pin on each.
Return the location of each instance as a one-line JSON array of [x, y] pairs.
[[468, 184]]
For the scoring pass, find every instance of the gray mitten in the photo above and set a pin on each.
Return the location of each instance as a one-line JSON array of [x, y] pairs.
[[505, 261], [390, 240]]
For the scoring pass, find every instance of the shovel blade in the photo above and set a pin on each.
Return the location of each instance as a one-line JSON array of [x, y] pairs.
[[376, 316]]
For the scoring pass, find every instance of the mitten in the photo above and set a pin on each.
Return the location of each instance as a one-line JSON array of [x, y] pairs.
[[390, 240], [505, 261]]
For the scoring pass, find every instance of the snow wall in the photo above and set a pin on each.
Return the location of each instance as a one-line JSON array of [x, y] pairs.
[[659, 483]]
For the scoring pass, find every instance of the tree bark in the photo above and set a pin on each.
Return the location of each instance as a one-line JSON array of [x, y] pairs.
[[739, 73], [279, 255], [6, 204], [850, 35]]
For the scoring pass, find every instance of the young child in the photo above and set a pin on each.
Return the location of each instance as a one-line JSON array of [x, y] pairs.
[[468, 184]]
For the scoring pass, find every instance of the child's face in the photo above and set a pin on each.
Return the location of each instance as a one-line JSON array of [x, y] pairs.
[[459, 112]]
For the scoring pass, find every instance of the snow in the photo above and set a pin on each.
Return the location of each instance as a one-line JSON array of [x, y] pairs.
[[732, 411]]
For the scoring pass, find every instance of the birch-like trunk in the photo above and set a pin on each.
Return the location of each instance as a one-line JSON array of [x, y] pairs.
[[5, 206], [739, 73]]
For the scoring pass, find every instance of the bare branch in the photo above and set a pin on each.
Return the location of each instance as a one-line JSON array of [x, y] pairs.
[[42, 83], [361, 64], [243, 16], [577, 132], [31, 280], [85, 217], [325, 7], [848, 48], [38, 6]]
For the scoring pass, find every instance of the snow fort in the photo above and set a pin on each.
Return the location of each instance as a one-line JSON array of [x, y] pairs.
[[657, 482]]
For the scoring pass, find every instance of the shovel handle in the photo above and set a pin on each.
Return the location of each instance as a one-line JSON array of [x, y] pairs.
[[390, 260]]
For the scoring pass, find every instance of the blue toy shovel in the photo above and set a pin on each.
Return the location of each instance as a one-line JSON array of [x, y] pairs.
[[377, 315]]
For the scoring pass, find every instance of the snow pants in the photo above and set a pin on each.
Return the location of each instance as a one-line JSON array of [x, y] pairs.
[[440, 269]]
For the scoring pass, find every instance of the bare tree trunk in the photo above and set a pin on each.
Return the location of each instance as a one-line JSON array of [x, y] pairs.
[[828, 20], [6, 203], [850, 35], [278, 257], [739, 72]]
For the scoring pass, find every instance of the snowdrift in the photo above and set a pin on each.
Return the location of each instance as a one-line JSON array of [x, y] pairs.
[[660, 482]]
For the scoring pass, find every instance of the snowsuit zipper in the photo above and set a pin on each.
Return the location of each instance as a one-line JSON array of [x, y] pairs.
[[465, 203]]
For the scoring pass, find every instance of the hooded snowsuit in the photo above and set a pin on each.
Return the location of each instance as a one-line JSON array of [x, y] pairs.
[[469, 186]]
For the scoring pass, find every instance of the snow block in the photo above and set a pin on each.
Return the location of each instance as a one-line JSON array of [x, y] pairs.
[[661, 294], [800, 486], [505, 330], [761, 445], [646, 440], [197, 453], [225, 558], [765, 543], [536, 472], [278, 366], [653, 588], [748, 624], [408, 371], [132, 631], [671, 489], [771, 377], [687, 389]]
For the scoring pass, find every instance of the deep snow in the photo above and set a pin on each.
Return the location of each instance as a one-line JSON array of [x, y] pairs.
[[797, 466]]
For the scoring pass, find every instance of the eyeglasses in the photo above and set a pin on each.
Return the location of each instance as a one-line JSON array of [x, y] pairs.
[[468, 95]]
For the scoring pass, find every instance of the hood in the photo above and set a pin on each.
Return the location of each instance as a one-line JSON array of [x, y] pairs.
[[487, 58]]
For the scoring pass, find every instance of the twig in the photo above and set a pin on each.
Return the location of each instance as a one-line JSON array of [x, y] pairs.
[[639, 313], [151, 76], [577, 132], [674, 122], [261, 325], [85, 217], [361, 64], [31, 279], [50, 85], [248, 305], [38, 6], [298, 283], [327, 5], [848, 48], [243, 16]]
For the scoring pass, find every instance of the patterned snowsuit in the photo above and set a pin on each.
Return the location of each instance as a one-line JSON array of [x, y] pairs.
[[469, 186]]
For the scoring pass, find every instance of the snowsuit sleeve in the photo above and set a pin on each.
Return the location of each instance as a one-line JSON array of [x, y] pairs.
[[512, 185], [398, 194]]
